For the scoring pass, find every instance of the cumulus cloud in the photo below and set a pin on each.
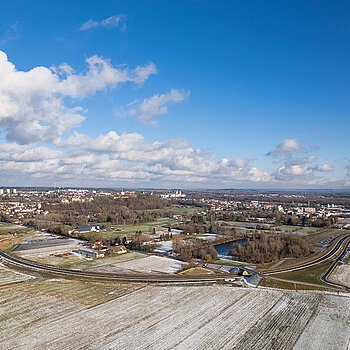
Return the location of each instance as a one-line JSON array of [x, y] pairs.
[[39, 106], [110, 22], [301, 173], [286, 147], [130, 159], [290, 172], [298, 170], [324, 167], [18, 153], [127, 157], [300, 161], [155, 105], [235, 163], [32, 103]]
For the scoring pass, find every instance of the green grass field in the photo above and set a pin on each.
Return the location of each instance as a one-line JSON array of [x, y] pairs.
[[174, 209], [123, 230], [6, 227], [271, 283], [231, 223], [308, 275]]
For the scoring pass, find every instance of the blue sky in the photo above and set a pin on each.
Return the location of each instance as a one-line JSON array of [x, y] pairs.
[[191, 94]]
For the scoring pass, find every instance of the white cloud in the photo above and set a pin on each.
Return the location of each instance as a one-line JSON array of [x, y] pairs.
[[235, 163], [110, 22], [290, 172], [18, 153], [300, 161], [324, 167], [302, 174], [126, 157], [155, 105], [32, 106], [296, 170], [286, 147], [130, 159], [101, 75]]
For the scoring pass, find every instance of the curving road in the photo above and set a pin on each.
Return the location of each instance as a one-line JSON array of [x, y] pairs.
[[325, 279], [325, 257], [143, 278], [179, 279]]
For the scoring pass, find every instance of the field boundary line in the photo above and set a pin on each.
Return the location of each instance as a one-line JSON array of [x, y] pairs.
[[118, 297], [312, 316], [213, 318], [260, 318]]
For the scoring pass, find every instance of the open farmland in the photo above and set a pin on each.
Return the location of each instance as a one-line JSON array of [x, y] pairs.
[[281, 327], [125, 230], [332, 312], [147, 264], [49, 249], [175, 209], [8, 276], [105, 263], [64, 316], [341, 275], [33, 304]]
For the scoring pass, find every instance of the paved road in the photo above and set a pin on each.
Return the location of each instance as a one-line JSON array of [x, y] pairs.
[[174, 278], [325, 257], [325, 279], [143, 278]]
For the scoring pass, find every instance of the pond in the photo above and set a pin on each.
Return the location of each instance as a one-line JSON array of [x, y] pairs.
[[224, 249]]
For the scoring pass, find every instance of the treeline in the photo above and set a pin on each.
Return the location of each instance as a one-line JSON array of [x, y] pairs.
[[281, 197], [250, 215], [265, 248], [105, 209], [187, 250], [198, 224]]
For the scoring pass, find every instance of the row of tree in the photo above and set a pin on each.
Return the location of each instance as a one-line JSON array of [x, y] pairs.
[[187, 250], [105, 209], [265, 248]]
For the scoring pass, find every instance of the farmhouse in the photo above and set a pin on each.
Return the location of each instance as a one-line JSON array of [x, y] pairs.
[[88, 228], [89, 252], [119, 249]]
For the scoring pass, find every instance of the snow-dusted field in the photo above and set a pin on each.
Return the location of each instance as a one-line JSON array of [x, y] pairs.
[[111, 316], [9, 276], [341, 274], [151, 264], [281, 327], [330, 326], [29, 305]]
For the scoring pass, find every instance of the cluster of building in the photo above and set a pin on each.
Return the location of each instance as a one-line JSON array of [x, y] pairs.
[[75, 195], [21, 210], [172, 195], [300, 209], [7, 191], [98, 250]]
